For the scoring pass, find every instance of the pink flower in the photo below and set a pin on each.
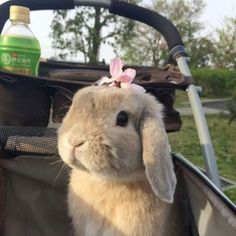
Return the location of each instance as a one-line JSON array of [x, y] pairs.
[[116, 68], [122, 78]]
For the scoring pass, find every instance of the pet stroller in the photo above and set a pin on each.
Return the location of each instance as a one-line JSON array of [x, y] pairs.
[[33, 193]]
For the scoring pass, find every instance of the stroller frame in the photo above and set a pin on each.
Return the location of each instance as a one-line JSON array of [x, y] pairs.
[[177, 54]]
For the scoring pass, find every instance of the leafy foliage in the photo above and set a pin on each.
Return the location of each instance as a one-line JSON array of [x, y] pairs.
[[202, 52], [148, 46], [225, 45], [218, 83], [215, 82], [224, 57], [83, 30]]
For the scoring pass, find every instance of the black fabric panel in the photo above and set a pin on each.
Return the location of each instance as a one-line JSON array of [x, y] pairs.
[[2, 202], [33, 197], [33, 5], [158, 22], [48, 169], [35, 208], [24, 104]]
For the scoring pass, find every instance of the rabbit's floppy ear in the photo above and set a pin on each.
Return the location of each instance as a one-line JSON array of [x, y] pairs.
[[156, 152]]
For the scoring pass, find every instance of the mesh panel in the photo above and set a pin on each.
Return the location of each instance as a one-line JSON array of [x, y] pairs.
[[28, 140], [39, 145]]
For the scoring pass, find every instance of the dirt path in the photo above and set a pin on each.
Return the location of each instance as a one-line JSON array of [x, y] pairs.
[[210, 106]]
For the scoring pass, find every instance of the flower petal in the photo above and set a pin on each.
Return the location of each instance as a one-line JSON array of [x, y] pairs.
[[130, 72], [116, 67], [125, 79]]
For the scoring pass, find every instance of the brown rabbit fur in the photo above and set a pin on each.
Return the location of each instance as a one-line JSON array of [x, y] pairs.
[[122, 180]]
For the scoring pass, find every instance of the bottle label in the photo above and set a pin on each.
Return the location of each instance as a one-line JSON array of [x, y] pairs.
[[19, 55]]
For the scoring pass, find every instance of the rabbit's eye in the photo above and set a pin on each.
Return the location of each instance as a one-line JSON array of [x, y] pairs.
[[122, 118]]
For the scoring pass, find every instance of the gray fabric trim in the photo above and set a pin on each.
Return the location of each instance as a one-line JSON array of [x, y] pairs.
[[199, 174], [231, 218], [210, 213]]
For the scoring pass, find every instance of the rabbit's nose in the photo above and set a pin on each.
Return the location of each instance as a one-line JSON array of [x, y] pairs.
[[80, 148], [79, 144]]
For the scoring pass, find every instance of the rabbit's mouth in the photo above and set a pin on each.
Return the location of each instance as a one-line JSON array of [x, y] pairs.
[[78, 165], [99, 156], [99, 159]]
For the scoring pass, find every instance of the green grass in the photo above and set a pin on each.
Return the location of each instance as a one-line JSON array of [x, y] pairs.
[[224, 142], [231, 193], [181, 97]]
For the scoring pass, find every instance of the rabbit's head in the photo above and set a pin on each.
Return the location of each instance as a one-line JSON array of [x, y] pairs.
[[116, 134]]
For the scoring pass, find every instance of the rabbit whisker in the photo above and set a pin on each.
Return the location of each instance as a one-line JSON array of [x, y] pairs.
[[63, 167], [56, 162]]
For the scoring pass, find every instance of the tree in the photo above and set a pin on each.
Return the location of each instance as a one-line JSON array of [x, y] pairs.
[[84, 30], [202, 52], [225, 56], [225, 45], [148, 46]]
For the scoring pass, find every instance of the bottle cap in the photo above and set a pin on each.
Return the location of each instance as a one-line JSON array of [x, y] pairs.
[[19, 13]]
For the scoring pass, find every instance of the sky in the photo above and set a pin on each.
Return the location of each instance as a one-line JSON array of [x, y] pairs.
[[212, 17]]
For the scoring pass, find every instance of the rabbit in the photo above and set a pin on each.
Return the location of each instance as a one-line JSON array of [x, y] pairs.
[[122, 179]]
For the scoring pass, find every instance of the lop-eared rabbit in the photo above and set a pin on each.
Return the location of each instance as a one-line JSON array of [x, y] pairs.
[[122, 178]]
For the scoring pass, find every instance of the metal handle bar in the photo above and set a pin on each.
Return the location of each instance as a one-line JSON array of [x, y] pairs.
[[151, 18]]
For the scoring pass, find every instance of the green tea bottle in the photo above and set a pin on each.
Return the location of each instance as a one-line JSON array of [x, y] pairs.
[[19, 48]]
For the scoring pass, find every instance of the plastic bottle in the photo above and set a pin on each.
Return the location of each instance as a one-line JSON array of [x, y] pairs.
[[19, 48]]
